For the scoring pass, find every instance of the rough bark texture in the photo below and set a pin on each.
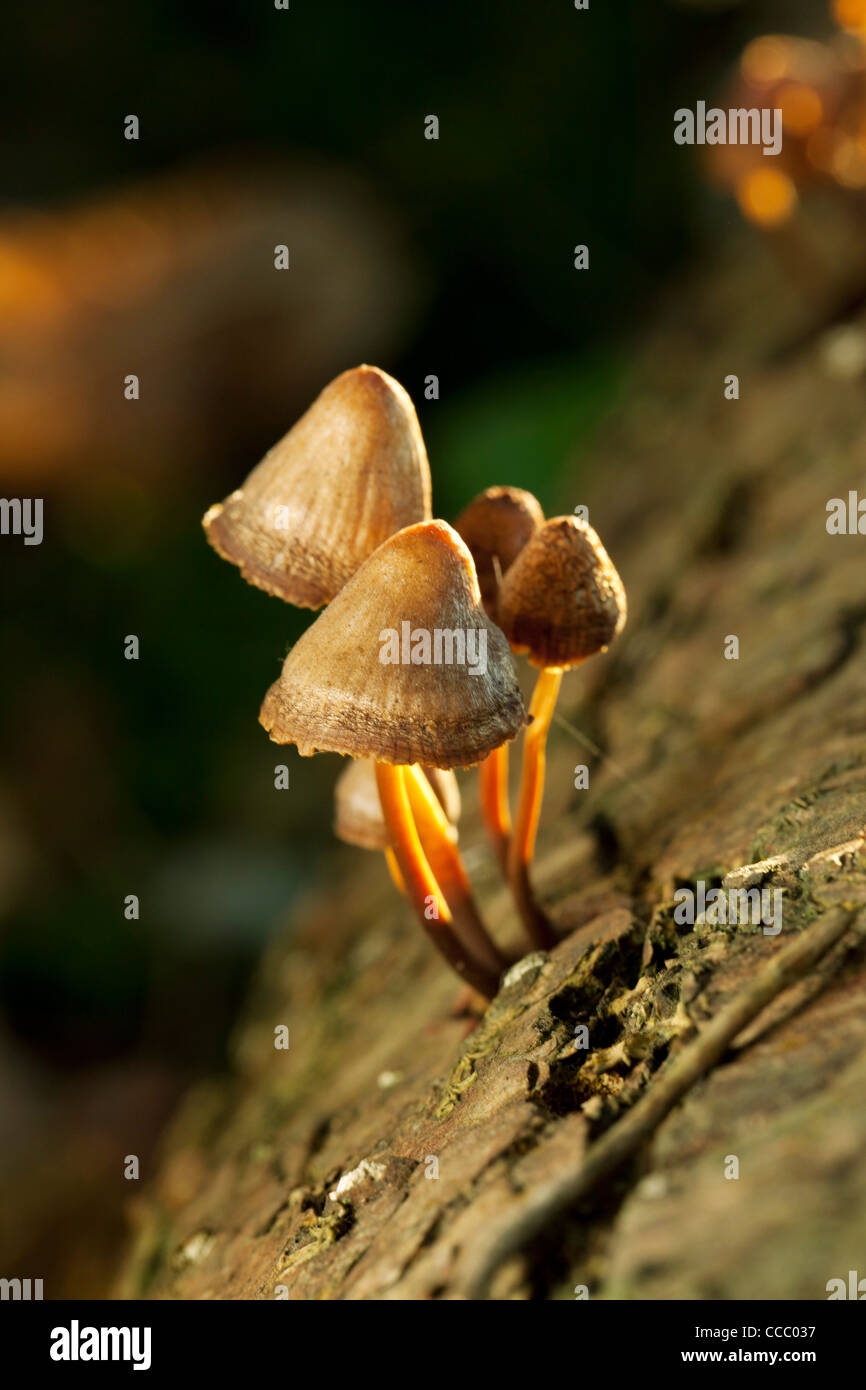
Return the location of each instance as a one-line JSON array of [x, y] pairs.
[[715, 513]]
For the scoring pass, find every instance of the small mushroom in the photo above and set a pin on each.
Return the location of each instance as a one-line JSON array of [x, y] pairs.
[[350, 473], [560, 603], [358, 818], [496, 526], [364, 681]]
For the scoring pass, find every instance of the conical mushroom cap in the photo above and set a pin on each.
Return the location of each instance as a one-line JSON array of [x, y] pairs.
[[562, 600], [350, 473], [350, 684], [358, 815], [496, 526]]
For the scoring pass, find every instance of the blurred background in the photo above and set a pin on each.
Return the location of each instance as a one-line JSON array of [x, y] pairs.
[[155, 257]]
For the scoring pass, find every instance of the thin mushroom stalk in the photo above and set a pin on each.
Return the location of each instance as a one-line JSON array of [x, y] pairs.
[[522, 845], [495, 807], [446, 862], [421, 886], [394, 870]]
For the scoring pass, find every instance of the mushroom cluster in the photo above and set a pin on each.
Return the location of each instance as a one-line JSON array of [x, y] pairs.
[[503, 580]]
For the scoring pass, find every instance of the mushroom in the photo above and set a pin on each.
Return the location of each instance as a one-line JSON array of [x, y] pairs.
[[358, 818], [350, 473], [379, 675], [496, 526], [561, 602]]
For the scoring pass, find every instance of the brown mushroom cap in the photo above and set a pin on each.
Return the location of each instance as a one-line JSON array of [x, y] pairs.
[[562, 600], [336, 695], [358, 817], [496, 526], [350, 473]]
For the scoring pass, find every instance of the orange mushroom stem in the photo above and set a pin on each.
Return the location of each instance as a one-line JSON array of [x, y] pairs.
[[394, 870], [522, 845], [495, 810], [421, 886], [445, 860]]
